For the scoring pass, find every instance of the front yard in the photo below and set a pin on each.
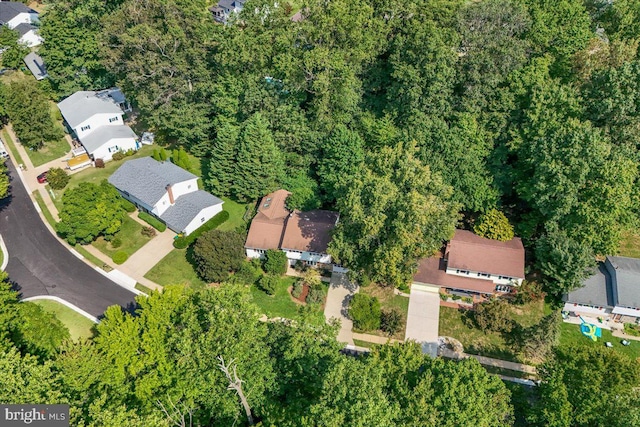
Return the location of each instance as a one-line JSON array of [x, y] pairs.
[[459, 325], [52, 150], [388, 301], [570, 335], [281, 304], [130, 236], [174, 269], [78, 325]]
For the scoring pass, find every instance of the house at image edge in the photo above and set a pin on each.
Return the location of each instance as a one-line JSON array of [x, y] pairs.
[[167, 192], [96, 120], [611, 292], [303, 236], [21, 19], [474, 266]]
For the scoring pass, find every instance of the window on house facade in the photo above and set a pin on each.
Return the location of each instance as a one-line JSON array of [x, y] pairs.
[[504, 277], [188, 186], [484, 275], [202, 219], [462, 271], [83, 128], [114, 149], [113, 119]]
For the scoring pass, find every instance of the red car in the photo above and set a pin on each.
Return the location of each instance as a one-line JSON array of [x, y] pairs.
[[42, 178]]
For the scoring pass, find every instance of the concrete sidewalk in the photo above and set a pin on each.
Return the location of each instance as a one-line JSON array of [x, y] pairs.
[[488, 361], [340, 292]]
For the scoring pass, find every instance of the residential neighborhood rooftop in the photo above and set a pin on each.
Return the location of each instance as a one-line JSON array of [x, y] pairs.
[[187, 207], [82, 105], [11, 9], [146, 179], [468, 251], [432, 271], [104, 134], [597, 290], [309, 231], [35, 64], [24, 28], [627, 280]]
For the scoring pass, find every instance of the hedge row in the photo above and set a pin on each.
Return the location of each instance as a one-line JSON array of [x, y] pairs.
[[152, 221], [183, 242]]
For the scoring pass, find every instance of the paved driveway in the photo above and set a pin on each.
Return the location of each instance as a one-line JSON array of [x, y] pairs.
[[424, 317], [340, 293], [40, 265]]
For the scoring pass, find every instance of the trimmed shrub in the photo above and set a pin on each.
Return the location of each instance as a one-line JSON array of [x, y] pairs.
[[116, 242], [98, 163], [119, 155], [57, 178], [275, 262], [391, 321], [247, 274], [120, 257], [152, 221], [128, 206], [444, 297], [296, 291], [315, 295], [268, 284], [217, 253], [183, 242], [364, 310], [130, 152], [148, 231]]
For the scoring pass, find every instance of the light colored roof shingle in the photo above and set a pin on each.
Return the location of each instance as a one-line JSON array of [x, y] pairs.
[[24, 28], [626, 272], [596, 290], [103, 135], [82, 105], [187, 207], [146, 179], [11, 9], [35, 64]]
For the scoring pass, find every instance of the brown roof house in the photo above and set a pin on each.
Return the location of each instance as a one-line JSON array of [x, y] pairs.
[[303, 236], [472, 265]]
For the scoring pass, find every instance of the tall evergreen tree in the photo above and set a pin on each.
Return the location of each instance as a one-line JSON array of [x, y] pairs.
[[222, 157], [259, 167]]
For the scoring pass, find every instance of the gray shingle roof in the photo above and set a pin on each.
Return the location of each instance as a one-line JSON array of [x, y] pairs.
[[104, 134], [146, 179], [596, 291], [626, 272], [24, 28], [186, 208], [35, 64], [11, 9], [82, 105]]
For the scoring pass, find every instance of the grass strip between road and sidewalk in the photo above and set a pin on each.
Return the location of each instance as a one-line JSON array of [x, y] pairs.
[[45, 210], [12, 147], [79, 326], [143, 288]]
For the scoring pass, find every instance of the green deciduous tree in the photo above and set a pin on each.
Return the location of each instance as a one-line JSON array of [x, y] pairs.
[[30, 113], [57, 178], [13, 52], [217, 253], [563, 261], [538, 340], [275, 262], [494, 315], [494, 225], [394, 212], [89, 211]]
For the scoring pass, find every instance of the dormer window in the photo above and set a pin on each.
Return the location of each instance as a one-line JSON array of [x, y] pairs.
[[83, 128]]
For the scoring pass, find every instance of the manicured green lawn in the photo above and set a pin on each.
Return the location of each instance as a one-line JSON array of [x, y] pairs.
[[95, 260], [571, 336], [280, 304], [78, 325], [630, 245], [130, 235], [51, 150], [236, 214], [388, 300], [365, 344], [43, 207], [458, 324], [174, 269], [12, 147]]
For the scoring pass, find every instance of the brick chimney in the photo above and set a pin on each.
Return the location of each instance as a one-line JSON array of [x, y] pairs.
[[170, 191]]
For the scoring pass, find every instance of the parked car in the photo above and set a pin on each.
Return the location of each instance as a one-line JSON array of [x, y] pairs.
[[42, 178], [3, 151]]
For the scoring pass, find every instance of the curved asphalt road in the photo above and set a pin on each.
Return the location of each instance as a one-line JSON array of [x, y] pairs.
[[40, 265]]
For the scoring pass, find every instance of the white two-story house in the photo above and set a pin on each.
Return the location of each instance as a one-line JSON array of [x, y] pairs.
[[302, 236], [96, 119], [167, 192], [18, 17], [474, 266]]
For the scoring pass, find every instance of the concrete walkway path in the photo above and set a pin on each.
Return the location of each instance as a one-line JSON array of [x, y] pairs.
[[149, 255], [340, 292], [488, 361]]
